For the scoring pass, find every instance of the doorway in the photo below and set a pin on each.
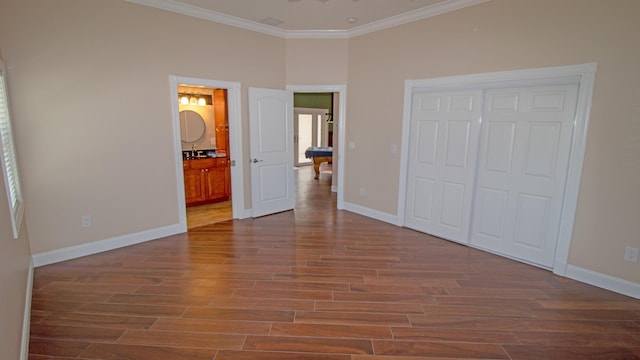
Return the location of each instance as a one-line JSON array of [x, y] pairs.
[[204, 134], [212, 160], [335, 121], [271, 159]]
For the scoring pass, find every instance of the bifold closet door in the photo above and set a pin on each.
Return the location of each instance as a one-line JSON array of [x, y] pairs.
[[442, 154], [524, 153]]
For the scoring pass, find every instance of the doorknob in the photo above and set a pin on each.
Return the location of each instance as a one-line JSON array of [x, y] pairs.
[[256, 160]]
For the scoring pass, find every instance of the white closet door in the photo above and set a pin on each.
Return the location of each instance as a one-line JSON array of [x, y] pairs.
[[442, 156], [525, 144]]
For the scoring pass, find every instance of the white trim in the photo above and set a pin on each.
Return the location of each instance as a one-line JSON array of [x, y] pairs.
[[370, 213], [26, 317], [574, 173], [210, 15], [404, 152], [537, 76], [583, 74], [317, 34], [235, 140], [411, 16], [73, 252], [342, 119], [604, 281]]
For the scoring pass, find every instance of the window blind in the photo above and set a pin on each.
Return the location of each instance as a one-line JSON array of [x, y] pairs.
[[9, 163]]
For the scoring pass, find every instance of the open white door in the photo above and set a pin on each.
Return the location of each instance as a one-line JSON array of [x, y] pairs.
[[271, 147]]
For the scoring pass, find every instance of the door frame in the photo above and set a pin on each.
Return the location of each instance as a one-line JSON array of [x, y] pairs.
[[582, 74], [235, 141], [342, 119]]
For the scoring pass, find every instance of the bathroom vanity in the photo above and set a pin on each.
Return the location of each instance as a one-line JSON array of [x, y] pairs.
[[206, 180]]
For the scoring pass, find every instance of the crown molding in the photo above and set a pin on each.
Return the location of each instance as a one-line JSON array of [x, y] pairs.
[[210, 15], [317, 34], [418, 14]]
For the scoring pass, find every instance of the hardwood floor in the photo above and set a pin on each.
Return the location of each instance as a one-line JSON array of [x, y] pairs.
[[208, 214], [317, 283]]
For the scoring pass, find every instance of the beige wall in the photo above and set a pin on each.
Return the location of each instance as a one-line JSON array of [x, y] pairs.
[[317, 61], [93, 114], [15, 261], [507, 35]]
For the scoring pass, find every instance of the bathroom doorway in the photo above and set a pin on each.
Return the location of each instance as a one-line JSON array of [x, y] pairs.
[[209, 184], [204, 134]]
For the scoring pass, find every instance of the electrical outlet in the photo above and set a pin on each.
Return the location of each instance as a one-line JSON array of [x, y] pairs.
[[362, 191], [86, 221], [631, 254]]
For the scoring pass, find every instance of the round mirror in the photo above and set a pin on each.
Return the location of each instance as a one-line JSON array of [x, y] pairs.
[[191, 126]]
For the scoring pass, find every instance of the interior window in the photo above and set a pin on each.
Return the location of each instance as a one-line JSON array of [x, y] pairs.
[[8, 158]]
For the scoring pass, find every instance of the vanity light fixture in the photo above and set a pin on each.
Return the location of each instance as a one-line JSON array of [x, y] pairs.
[[194, 99]]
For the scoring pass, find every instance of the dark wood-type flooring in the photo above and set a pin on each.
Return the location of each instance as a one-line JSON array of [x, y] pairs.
[[317, 283]]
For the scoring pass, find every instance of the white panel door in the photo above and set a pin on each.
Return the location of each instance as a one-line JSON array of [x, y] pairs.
[[525, 144], [442, 157], [271, 146]]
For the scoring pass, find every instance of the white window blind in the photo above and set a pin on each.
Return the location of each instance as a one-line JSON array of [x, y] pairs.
[[9, 163]]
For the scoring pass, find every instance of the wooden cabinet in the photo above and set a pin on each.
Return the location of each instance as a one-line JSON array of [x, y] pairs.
[[193, 186], [221, 116], [206, 180]]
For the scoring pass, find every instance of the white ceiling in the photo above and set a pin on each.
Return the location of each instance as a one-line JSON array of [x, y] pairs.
[[311, 18]]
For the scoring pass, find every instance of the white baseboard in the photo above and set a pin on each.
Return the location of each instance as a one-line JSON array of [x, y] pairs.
[[374, 214], [246, 213], [560, 268], [334, 188], [26, 317], [604, 281], [95, 247], [600, 280]]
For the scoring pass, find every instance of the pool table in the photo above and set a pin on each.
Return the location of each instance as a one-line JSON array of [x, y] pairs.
[[319, 155]]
